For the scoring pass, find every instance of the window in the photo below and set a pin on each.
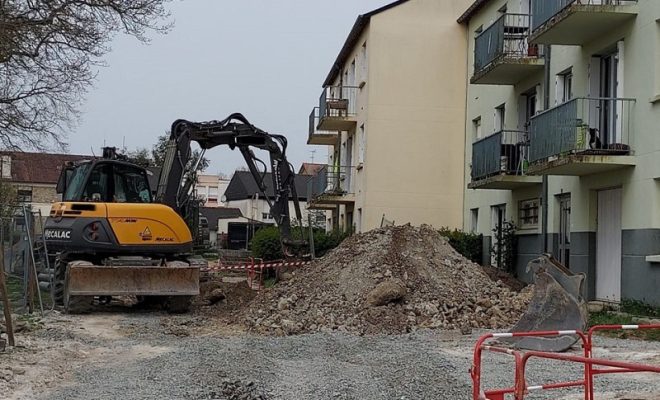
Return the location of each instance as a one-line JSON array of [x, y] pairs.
[[130, 185], [565, 86], [474, 220], [476, 129], [528, 213], [500, 115], [5, 166], [364, 62], [24, 194], [266, 216]]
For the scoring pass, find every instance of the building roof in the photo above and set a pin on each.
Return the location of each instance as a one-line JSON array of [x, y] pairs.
[[42, 168], [361, 23], [476, 6], [310, 169], [242, 186], [214, 214]]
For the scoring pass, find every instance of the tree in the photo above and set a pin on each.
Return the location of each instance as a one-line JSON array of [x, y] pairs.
[[140, 156], [160, 148], [49, 52]]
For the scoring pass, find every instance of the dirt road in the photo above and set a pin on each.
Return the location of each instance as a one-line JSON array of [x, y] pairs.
[[151, 355]]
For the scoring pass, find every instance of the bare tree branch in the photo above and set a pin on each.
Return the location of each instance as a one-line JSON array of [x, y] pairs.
[[49, 50]]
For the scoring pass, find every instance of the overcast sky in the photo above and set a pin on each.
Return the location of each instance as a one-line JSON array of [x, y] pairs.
[[264, 58]]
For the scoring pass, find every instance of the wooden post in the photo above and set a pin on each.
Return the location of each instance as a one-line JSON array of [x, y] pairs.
[[3, 289]]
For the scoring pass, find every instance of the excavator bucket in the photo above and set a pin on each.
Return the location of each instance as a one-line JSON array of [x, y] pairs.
[[557, 305], [174, 280]]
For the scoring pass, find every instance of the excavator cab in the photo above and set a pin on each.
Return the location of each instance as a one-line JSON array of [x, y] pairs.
[[105, 181]]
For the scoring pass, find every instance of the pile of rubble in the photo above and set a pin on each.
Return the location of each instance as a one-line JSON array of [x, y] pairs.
[[390, 280]]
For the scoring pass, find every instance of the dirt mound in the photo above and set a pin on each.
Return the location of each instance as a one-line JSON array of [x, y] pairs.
[[421, 280]]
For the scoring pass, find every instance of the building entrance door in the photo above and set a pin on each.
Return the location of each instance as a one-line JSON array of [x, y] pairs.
[[608, 245], [565, 230]]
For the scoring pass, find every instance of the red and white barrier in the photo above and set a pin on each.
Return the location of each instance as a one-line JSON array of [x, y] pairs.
[[246, 266], [521, 388]]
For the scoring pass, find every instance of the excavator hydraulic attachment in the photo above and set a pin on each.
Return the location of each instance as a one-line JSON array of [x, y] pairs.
[[175, 282], [557, 305]]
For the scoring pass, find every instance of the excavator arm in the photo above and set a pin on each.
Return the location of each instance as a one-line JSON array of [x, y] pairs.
[[236, 132]]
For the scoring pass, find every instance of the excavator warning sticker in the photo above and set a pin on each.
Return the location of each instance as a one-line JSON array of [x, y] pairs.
[[146, 234]]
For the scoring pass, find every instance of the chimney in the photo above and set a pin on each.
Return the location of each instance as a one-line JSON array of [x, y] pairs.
[[5, 167]]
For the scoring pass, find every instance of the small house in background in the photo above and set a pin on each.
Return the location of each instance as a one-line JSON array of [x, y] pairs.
[[219, 219], [310, 169], [35, 176], [244, 194]]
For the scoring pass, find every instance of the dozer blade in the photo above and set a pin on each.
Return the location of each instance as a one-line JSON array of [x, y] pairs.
[[557, 305], [175, 279]]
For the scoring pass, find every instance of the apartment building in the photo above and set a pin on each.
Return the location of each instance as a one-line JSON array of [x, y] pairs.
[[392, 114], [210, 188], [562, 136]]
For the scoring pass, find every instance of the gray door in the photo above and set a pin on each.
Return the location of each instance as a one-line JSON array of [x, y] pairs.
[[608, 245]]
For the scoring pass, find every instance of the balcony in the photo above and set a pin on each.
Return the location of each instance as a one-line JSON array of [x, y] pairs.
[[338, 108], [499, 161], [583, 136], [330, 187], [502, 54], [576, 22], [316, 136]]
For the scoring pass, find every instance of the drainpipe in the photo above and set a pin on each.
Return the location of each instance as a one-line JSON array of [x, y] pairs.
[[465, 119], [545, 188]]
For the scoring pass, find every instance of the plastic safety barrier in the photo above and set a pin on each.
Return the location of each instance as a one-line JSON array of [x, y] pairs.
[[592, 366]]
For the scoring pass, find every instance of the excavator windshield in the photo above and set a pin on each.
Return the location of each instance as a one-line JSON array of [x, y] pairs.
[[107, 181]]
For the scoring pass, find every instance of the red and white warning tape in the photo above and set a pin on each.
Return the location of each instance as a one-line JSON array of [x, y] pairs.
[[242, 267]]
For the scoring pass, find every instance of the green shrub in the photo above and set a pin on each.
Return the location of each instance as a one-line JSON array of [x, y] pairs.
[[266, 242], [469, 245]]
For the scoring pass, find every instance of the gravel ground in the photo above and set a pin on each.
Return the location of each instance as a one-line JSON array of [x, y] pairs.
[[141, 356]]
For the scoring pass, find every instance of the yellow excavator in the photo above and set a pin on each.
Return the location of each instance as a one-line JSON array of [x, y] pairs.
[[113, 238]]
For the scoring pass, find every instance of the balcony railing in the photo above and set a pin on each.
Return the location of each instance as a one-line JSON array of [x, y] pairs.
[[338, 101], [317, 136], [588, 126], [505, 38], [504, 152], [331, 180], [545, 10]]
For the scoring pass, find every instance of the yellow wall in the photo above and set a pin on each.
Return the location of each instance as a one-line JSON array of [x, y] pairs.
[[413, 109]]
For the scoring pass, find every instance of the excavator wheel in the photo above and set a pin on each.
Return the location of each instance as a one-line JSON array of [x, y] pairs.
[[59, 274], [178, 304], [78, 304], [75, 304]]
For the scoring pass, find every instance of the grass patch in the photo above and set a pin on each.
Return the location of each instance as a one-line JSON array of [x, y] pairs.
[[15, 289], [16, 292], [611, 318], [638, 308]]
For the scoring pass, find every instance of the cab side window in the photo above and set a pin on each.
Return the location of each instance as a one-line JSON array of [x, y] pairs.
[[131, 185], [97, 189]]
